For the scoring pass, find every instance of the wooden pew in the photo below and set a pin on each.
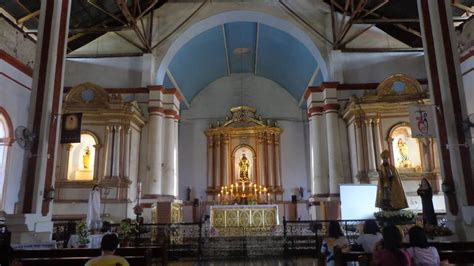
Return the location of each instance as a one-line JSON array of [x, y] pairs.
[[137, 255]]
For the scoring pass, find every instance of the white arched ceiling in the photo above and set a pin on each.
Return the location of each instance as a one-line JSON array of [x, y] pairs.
[[279, 51]]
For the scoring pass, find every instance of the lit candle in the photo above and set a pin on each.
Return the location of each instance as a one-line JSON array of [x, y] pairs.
[[268, 197], [219, 198]]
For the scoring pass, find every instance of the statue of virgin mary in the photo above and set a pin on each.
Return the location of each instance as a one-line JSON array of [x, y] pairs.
[[93, 210]]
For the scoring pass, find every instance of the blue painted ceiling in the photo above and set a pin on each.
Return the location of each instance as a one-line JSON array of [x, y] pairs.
[[265, 51]]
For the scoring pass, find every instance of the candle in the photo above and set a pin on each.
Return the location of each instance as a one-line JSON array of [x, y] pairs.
[[268, 197]]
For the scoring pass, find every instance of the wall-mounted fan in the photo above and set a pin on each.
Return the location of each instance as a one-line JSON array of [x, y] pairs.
[[24, 137]]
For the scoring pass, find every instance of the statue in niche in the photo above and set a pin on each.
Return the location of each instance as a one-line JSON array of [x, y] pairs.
[[244, 165], [390, 194], [404, 161], [86, 158]]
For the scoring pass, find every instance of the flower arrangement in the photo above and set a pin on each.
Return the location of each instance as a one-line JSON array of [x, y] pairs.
[[395, 216], [436, 230], [126, 231], [82, 232]]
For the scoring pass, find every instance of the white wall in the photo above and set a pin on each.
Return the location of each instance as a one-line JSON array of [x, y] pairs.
[[14, 98], [375, 67], [115, 72], [215, 101]]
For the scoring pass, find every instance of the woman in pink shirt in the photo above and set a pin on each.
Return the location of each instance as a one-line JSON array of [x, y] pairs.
[[388, 252]]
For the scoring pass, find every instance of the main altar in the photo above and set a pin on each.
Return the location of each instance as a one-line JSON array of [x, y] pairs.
[[228, 216]]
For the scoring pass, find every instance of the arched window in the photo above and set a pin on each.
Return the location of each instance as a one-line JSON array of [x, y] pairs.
[[405, 149], [6, 140], [81, 162]]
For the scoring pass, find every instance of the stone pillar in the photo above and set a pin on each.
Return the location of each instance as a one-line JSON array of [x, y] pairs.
[[116, 162], [377, 142], [426, 152], [44, 116], [447, 93], [371, 157], [270, 162], [261, 159], [152, 184], [361, 173]]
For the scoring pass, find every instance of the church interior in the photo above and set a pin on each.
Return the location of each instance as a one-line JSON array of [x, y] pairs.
[[234, 113]]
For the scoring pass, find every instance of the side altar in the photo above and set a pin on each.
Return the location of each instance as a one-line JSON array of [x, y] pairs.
[[224, 216]]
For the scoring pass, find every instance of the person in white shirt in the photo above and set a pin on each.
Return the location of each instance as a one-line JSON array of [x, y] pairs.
[[420, 251], [335, 238], [371, 236]]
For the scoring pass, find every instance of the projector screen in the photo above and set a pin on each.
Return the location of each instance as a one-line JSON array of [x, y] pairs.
[[358, 201]]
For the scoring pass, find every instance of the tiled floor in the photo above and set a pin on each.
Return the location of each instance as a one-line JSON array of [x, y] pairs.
[[250, 262]]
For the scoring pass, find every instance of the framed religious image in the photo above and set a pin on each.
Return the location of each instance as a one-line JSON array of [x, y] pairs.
[[71, 128]]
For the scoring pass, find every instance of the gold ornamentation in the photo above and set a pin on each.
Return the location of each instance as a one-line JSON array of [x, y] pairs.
[[247, 217]]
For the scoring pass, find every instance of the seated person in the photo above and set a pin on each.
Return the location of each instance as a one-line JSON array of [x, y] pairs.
[[335, 238], [108, 245], [371, 235], [419, 249], [388, 252]]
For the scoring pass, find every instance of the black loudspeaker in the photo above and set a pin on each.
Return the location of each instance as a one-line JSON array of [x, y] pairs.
[[196, 202], [293, 199]]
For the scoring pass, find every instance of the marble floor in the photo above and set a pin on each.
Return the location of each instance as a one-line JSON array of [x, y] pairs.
[[249, 262]]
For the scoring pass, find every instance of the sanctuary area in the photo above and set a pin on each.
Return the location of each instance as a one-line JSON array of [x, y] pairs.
[[197, 123]]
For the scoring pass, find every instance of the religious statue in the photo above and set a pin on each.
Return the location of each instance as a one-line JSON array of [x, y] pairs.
[[244, 168], [426, 193], [86, 158], [390, 194], [404, 161], [93, 210]]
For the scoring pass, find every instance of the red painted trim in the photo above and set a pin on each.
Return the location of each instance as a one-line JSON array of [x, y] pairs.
[[438, 101], [4, 113], [57, 95], [15, 63], [316, 109], [175, 92], [170, 112], [331, 107], [329, 85], [16, 81], [468, 71], [156, 88], [38, 112], [357, 86], [155, 110], [456, 100], [310, 90], [467, 55]]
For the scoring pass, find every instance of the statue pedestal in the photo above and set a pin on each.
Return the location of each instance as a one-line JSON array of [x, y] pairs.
[[84, 174]]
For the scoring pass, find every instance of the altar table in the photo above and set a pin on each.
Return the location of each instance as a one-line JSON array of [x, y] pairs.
[[244, 216]]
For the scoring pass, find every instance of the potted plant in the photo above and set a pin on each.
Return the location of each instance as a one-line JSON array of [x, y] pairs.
[[126, 232], [83, 234]]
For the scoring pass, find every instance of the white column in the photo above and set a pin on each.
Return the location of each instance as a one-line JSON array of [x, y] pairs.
[[116, 152], [278, 162], [152, 184], [334, 150], [261, 159], [361, 173], [217, 162], [126, 152], [370, 147], [168, 171], [225, 164], [319, 181], [175, 156], [270, 164], [108, 151], [378, 142], [210, 157]]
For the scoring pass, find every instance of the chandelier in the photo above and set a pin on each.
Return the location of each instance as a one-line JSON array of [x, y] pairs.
[[243, 192]]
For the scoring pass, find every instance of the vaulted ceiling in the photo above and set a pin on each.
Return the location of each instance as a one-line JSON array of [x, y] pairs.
[[243, 47]]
